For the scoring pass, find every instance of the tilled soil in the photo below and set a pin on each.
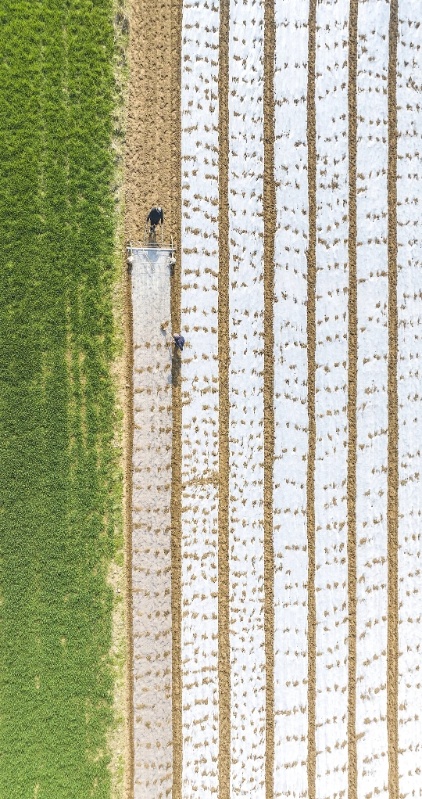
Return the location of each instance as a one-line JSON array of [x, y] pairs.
[[151, 119]]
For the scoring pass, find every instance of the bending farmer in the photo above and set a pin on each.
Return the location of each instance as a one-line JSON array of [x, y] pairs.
[[179, 341]]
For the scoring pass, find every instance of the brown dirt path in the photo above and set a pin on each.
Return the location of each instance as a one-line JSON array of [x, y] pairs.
[[269, 201], [154, 91], [224, 760], [311, 333]]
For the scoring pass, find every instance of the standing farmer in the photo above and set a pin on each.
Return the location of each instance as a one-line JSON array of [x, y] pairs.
[[155, 217]]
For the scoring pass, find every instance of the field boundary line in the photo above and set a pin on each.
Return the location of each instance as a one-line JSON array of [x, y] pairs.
[[311, 349], [393, 476], [128, 460], [176, 459], [224, 681], [270, 221], [128, 446], [352, 402]]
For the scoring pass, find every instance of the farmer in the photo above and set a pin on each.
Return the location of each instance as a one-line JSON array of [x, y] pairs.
[[179, 341], [155, 217]]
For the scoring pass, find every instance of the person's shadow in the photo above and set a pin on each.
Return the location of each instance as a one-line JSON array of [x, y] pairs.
[[176, 361], [176, 366]]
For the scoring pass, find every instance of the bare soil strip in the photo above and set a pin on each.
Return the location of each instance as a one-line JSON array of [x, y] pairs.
[[224, 412], [175, 216], [311, 336], [393, 477], [150, 132], [270, 220], [352, 400]]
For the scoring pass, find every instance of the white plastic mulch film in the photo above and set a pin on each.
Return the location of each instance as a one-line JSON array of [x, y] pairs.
[[310, 751]]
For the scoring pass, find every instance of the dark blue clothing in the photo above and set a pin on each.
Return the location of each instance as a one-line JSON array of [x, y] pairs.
[[179, 342], [155, 216]]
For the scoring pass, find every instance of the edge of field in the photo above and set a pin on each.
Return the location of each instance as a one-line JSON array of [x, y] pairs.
[[120, 735]]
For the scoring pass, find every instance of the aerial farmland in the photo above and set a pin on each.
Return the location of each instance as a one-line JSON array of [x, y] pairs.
[[210, 558]]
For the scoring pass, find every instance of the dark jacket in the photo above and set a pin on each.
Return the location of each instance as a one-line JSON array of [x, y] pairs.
[[155, 216], [179, 342]]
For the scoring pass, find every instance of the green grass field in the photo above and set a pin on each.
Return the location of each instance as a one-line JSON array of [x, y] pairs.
[[59, 479]]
